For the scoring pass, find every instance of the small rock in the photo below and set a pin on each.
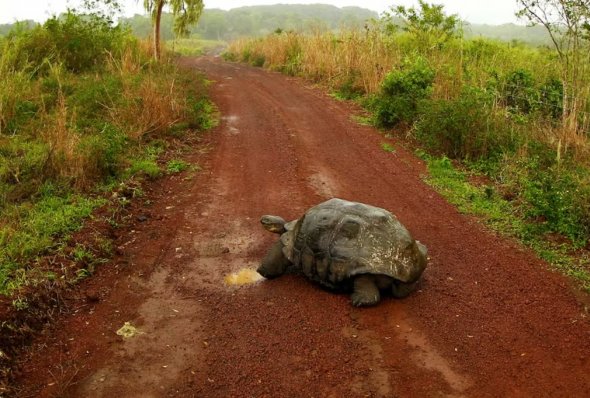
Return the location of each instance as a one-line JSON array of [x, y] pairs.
[[142, 218], [92, 297]]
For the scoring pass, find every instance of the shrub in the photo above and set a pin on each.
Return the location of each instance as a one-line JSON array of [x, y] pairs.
[[466, 127], [349, 88], [520, 93], [552, 98], [557, 201], [92, 98], [401, 91], [79, 42], [258, 60], [22, 167]]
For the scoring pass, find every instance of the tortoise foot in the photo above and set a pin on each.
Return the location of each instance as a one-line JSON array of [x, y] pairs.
[[366, 292], [401, 289], [274, 263]]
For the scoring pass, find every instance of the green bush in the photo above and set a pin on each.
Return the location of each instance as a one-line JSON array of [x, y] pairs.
[[401, 92], [557, 199], [17, 105], [466, 127], [230, 56], [258, 60], [349, 88], [79, 42], [92, 98], [22, 167], [520, 93], [201, 113], [176, 166], [552, 98], [104, 150]]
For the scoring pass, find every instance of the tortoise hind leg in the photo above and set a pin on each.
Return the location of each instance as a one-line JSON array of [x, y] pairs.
[[274, 263], [401, 289], [365, 291]]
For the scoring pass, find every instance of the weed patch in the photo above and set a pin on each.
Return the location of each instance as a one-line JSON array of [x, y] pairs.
[[503, 216]]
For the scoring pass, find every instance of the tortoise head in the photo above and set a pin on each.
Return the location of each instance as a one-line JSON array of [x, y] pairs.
[[274, 224]]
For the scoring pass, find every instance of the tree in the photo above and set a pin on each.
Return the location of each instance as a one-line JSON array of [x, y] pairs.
[[185, 13], [567, 21], [428, 23], [568, 24], [105, 9]]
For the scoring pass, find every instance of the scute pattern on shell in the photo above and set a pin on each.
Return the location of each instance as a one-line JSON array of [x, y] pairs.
[[338, 239]]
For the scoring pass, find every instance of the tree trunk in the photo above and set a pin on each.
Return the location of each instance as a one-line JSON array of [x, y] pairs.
[[157, 21]]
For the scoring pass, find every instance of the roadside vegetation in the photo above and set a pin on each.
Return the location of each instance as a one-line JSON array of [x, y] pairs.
[[84, 110], [512, 117]]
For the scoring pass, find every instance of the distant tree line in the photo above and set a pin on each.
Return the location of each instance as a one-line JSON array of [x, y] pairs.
[[216, 24]]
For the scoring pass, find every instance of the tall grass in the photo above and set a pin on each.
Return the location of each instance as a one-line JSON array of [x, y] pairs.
[[80, 100]]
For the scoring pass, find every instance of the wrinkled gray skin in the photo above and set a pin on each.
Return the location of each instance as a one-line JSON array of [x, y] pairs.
[[347, 246]]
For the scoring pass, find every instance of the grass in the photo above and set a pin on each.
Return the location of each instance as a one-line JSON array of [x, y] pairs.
[[193, 46], [38, 229], [175, 166], [387, 147], [83, 109], [502, 216]]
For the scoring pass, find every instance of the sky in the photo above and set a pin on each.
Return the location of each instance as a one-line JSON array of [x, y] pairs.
[[475, 11]]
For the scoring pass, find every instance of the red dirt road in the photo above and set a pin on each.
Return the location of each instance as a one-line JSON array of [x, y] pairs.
[[489, 319]]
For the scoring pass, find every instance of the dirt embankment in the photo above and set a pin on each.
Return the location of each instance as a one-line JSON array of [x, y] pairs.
[[489, 319]]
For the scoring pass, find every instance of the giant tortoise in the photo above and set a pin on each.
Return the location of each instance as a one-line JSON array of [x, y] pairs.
[[347, 246]]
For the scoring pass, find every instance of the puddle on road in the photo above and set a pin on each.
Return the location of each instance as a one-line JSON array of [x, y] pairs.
[[246, 276]]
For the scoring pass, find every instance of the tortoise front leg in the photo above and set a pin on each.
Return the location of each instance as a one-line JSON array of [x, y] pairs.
[[274, 263], [365, 291]]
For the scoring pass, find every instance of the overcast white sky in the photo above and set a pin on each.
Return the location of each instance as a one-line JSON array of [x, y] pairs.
[[475, 11]]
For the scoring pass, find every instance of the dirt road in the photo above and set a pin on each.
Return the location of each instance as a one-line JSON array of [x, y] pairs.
[[489, 319]]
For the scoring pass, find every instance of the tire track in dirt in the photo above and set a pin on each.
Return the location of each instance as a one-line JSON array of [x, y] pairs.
[[488, 321]]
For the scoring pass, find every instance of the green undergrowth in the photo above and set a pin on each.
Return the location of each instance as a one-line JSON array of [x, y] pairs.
[[83, 109], [503, 216]]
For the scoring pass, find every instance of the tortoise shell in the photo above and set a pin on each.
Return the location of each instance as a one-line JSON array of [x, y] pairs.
[[338, 239]]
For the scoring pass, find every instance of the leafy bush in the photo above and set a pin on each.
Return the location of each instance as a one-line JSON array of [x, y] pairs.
[[92, 98], [79, 42], [201, 113], [22, 167], [552, 98], [466, 127], [401, 91], [520, 93], [258, 60], [230, 56], [555, 198], [103, 151], [349, 88]]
